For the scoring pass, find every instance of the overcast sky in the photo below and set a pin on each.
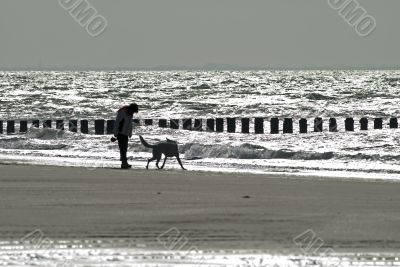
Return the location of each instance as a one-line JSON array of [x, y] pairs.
[[194, 33]]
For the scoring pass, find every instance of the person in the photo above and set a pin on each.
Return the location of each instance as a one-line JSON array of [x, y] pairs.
[[123, 131]]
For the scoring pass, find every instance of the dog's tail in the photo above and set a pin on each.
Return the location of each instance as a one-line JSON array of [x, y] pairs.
[[144, 142]]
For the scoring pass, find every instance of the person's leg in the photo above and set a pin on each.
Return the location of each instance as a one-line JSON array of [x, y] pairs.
[[123, 148]]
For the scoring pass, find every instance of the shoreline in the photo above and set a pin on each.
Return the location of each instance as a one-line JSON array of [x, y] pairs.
[[211, 210], [140, 165]]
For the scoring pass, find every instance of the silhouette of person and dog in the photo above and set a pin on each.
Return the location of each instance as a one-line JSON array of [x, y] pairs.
[[123, 131]]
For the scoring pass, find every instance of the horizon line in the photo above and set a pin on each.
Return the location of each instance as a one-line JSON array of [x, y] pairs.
[[203, 69]]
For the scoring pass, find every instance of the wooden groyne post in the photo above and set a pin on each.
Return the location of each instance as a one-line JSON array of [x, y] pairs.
[[318, 125], [210, 123], [148, 122], [231, 125], [10, 127], [187, 124], [73, 126], [287, 125], [219, 125], [303, 127], [47, 124], [99, 127], [35, 123], [60, 125], [84, 127], [333, 125], [364, 124], [198, 125], [378, 123], [259, 125], [245, 125], [174, 124], [23, 126], [110, 126], [393, 123], [349, 124], [274, 125], [162, 123]]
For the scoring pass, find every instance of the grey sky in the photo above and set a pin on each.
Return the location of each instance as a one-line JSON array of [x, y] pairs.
[[149, 33]]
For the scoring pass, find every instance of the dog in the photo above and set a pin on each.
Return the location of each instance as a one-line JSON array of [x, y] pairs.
[[169, 148]]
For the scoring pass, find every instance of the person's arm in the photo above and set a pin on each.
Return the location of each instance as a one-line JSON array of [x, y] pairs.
[[130, 126], [118, 121]]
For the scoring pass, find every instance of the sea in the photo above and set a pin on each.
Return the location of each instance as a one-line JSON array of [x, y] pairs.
[[91, 95]]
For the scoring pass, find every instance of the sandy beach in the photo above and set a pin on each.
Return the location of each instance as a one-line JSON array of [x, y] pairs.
[[210, 210]]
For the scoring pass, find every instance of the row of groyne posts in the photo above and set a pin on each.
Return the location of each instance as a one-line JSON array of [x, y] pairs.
[[102, 126]]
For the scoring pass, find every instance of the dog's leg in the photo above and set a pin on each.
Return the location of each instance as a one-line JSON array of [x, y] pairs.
[[165, 159], [158, 161], [148, 162], [180, 162]]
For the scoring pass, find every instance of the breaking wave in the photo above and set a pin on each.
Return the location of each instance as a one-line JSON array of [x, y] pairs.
[[248, 151], [39, 139], [317, 96], [45, 133], [24, 144]]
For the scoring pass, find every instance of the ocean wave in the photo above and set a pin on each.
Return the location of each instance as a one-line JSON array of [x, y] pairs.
[[229, 81], [371, 157], [201, 86], [39, 139], [369, 94], [392, 80], [317, 96], [45, 133], [55, 88], [248, 151], [24, 144]]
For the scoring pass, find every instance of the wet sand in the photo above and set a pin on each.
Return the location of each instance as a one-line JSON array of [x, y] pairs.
[[210, 210]]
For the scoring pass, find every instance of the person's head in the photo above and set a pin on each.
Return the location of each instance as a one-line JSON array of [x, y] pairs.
[[133, 108]]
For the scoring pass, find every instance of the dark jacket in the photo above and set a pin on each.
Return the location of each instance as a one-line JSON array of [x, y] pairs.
[[123, 122]]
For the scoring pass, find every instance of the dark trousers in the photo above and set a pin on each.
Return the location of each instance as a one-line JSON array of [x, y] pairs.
[[123, 146]]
